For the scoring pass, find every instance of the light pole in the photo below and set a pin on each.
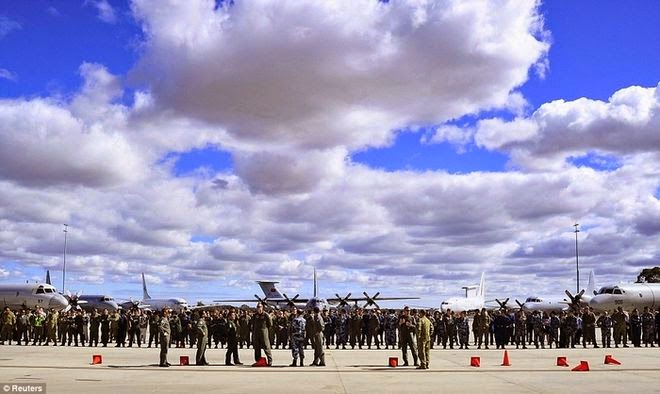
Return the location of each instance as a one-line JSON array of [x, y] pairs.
[[577, 263], [65, 230]]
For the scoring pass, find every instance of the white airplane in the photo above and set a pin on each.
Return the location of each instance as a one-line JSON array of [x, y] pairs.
[[274, 298], [156, 304], [31, 296], [474, 299], [557, 304], [627, 296]]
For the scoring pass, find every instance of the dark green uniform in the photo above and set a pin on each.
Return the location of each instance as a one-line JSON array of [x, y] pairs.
[[261, 323]]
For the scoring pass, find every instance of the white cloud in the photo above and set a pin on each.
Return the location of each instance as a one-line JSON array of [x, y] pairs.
[[8, 25], [8, 75], [327, 74], [105, 11], [626, 124]]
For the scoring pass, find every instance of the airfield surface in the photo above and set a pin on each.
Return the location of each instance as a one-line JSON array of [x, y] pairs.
[[135, 370]]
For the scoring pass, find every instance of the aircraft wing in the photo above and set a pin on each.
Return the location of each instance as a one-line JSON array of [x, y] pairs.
[[337, 300], [276, 300]]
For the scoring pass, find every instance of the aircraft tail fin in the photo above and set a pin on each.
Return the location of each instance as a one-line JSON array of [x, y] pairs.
[[48, 277], [481, 293], [270, 290], [591, 286], [145, 294], [315, 284]]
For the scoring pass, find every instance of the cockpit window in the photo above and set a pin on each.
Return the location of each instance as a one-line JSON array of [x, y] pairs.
[[617, 291], [49, 290], [606, 290], [40, 290]]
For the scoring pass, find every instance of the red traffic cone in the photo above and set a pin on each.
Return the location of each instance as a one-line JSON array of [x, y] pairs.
[[475, 361], [583, 367], [505, 361], [611, 360], [184, 360], [97, 359], [561, 361], [262, 362]]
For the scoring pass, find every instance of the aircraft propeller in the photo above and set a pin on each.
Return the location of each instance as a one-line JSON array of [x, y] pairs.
[[520, 304], [74, 301], [502, 304], [371, 300], [291, 302], [262, 300], [575, 299], [343, 301]]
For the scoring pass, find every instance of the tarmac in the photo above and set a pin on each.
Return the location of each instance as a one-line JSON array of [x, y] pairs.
[[135, 370]]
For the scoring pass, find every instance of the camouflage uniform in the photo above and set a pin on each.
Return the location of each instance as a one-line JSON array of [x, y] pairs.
[[391, 322], [520, 329], [341, 328], [605, 324], [298, 330], [463, 330], [648, 327]]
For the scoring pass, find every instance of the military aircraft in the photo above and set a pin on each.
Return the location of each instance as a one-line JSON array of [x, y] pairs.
[[627, 296], [557, 304], [273, 297], [474, 298], [32, 295], [156, 304], [87, 302]]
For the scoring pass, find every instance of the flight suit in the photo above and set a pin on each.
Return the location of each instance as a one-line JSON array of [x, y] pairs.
[[424, 342], [261, 323], [202, 340], [407, 328], [164, 331], [317, 339]]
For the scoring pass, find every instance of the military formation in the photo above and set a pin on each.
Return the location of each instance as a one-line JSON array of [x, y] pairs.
[[411, 331]]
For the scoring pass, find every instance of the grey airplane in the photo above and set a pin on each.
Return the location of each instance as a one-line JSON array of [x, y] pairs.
[[156, 304], [273, 297], [88, 302], [32, 295]]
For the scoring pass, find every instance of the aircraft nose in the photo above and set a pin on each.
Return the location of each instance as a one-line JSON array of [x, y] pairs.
[[58, 302]]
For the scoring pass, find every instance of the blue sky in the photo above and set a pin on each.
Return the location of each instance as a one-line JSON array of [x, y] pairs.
[[169, 136]]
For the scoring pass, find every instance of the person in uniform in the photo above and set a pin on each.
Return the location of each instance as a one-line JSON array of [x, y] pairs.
[[463, 329], [94, 323], [520, 329], [297, 338], [8, 323], [105, 324], [202, 338], [635, 328], [164, 332], [604, 321], [424, 335], [341, 328], [261, 323], [589, 328], [373, 325], [648, 327], [51, 327], [233, 337], [407, 328], [329, 330], [391, 323], [619, 320], [244, 327], [354, 328], [553, 330], [153, 328], [318, 326], [22, 327]]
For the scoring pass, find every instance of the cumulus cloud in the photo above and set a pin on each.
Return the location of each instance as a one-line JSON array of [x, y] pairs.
[[627, 123], [327, 74]]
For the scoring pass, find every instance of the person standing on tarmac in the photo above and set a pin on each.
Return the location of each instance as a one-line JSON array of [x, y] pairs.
[[164, 331], [318, 326], [261, 323], [202, 333]]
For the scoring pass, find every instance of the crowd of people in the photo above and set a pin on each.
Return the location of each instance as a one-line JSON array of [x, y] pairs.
[[296, 329]]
